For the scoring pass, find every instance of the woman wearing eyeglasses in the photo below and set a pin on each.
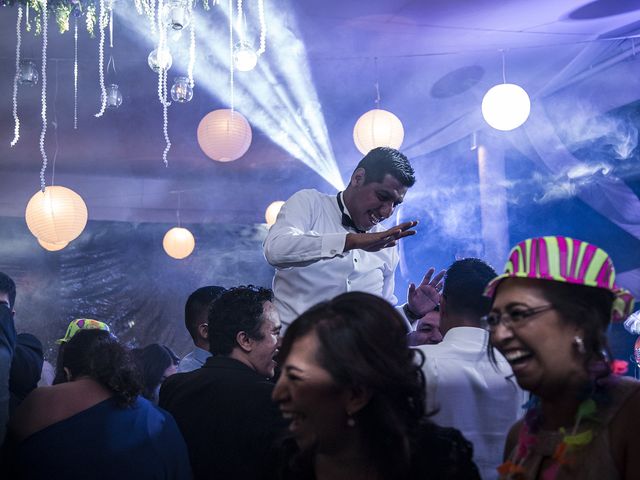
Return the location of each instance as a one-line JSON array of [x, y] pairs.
[[551, 309]]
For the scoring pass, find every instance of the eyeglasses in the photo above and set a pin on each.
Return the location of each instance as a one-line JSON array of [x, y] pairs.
[[512, 317]]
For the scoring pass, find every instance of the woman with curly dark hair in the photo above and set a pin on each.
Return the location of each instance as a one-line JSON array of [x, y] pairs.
[[96, 425], [355, 398]]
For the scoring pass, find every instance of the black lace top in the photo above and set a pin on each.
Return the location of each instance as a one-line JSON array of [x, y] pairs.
[[437, 453]]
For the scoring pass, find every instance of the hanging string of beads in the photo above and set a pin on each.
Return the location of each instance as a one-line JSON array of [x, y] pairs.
[[16, 120], [192, 44], [103, 89], [75, 70], [263, 29], [43, 132], [162, 82]]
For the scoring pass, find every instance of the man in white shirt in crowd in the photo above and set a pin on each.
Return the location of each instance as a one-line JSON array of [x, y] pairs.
[[196, 320], [472, 394], [324, 245]]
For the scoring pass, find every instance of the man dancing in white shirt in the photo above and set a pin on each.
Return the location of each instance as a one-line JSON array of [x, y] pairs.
[[324, 245]]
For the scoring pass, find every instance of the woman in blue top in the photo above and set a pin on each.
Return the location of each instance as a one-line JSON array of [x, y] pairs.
[[96, 425]]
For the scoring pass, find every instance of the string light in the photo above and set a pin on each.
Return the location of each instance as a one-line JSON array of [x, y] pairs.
[[103, 89], [75, 74], [263, 29], [162, 86], [110, 23], [231, 51], [43, 132], [16, 128], [192, 48]]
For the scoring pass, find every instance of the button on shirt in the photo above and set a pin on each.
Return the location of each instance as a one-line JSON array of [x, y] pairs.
[[471, 395], [306, 245]]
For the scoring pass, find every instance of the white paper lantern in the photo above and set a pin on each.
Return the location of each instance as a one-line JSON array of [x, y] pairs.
[[52, 247], [58, 215], [178, 243], [224, 135], [377, 128], [506, 106], [271, 214]]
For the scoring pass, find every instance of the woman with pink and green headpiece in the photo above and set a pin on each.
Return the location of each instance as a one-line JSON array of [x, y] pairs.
[[551, 310]]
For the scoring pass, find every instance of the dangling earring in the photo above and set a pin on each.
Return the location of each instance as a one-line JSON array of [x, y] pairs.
[[579, 343], [350, 421]]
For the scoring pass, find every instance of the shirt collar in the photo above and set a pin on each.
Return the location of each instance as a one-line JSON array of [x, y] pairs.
[[346, 209]]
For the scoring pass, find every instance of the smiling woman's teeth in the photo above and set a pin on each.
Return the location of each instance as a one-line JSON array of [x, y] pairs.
[[515, 355]]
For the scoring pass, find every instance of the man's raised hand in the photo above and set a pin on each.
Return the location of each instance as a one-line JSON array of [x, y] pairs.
[[373, 242]]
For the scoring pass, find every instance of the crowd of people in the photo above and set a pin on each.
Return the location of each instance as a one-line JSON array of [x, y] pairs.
[[479, 375]]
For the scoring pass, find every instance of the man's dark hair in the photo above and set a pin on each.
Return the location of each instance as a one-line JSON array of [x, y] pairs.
[[238, 309], [197, 304], [382, 160], [464, 285], [8, 286]]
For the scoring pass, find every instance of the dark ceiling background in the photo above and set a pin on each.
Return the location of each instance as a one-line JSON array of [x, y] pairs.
[[433, 62]]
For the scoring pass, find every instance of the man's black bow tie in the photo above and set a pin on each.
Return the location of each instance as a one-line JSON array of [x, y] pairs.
[[347, 222]]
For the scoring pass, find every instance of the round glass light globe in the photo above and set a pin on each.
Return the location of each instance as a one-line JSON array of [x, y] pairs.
[[271, 214], [506, 106], [244, 57], [178, 243], [58, 215], [377, 128], [160, 59]]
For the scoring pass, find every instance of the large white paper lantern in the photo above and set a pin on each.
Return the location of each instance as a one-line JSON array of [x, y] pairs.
[[52, 247], [224, 135], [58, 215], [377, 128], [506, 106], [271, 214], [178, 243]]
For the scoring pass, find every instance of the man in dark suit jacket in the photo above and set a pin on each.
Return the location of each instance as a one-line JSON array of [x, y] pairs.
[[224, 409]]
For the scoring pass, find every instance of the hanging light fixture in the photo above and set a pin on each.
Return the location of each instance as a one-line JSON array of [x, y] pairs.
[[271, 214], [114, 97], [176, 14], [52, 247], [377, 128], [244, 57], [28, 73], [178, 242], [181, 91], [506, 106], [224, 135], [57, 215], [160, 59]]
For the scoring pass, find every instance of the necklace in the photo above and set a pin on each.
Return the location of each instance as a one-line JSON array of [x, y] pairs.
[[513, 468]]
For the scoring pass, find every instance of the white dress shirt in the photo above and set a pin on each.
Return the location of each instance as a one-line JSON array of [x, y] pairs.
[[306, 245], [193, 360], [471, 395]]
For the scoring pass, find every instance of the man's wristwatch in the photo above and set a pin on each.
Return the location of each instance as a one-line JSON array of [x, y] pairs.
[[410, 315]]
